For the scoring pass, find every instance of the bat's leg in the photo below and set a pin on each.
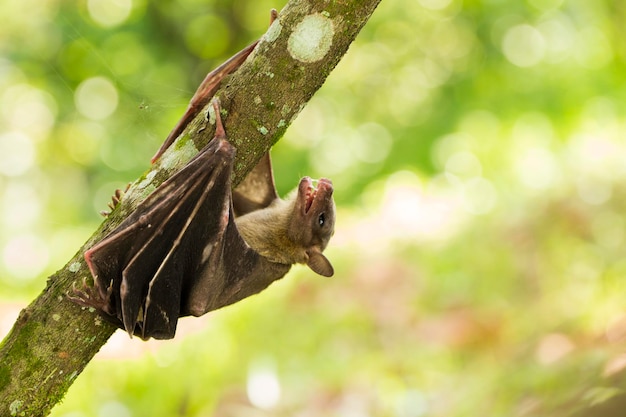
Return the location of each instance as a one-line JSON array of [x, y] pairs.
[[207, 89], [220, 133], [92, 297], [115, 200], [203, 94]]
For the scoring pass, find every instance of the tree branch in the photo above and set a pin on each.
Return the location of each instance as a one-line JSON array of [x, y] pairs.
[[53, 339]]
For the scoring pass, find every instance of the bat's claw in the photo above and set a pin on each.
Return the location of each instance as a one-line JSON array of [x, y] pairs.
[[91, 296], [115, 200]]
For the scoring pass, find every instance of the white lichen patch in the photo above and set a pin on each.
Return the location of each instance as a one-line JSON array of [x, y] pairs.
[[274, 31], [281, 123], [263, 130], [15, 407], [177, 155], [285, 110], [146, 181], [146, 192], [74, 267], [311, 39], [210, 115], [56, 317], [257, 100], [296, 113]]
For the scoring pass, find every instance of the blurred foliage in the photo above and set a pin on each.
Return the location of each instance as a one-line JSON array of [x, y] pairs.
[[477, 152]]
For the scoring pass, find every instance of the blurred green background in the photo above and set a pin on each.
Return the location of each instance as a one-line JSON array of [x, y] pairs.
[[478, 153]]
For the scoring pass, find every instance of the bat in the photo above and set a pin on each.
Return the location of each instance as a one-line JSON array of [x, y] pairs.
[[194, 246]]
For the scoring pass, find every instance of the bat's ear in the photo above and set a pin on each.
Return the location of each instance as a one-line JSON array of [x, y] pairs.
[[319, 263]]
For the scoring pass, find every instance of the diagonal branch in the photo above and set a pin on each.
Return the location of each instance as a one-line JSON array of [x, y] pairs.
[[53, 339]]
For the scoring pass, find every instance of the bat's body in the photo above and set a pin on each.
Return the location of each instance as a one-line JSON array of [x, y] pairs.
[[182, 252], [194, 246]]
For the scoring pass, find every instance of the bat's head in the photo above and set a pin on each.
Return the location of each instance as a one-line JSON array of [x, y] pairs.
[[313, 221]]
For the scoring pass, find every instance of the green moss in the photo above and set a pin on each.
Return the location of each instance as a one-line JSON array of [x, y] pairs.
[[5, 376], [181, 142], [25, 338]]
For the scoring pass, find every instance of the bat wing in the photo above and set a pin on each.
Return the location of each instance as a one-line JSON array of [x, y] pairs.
[[179, 253], [150, 261], [257, 190]]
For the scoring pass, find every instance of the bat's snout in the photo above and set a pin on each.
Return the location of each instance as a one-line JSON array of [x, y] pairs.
[[311, 190]]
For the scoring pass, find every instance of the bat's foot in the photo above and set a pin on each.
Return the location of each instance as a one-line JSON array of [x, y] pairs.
[[92, 297], [220, 133], [115, 200]]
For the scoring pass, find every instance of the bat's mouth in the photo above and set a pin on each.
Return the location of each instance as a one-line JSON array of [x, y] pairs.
[[314, 190], [309, 197]]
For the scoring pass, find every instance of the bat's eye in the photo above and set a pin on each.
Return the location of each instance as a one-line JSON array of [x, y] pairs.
[[321, 219]]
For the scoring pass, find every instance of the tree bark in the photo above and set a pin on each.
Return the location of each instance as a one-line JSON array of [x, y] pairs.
[[53, 339]]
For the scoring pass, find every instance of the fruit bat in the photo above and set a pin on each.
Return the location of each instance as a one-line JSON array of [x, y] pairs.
[[194, 246]]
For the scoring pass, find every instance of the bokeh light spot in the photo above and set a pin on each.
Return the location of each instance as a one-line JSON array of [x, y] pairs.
[[546, 5], [594, 191], [479, 196], [263, 387], [435, 4], [109, 13], [536, 168], [80, 140], [29, 109], [552, 348], [413, 403], [17, 154], [203, 28], [373, 143], [608, 229], [449, 145], [523, 45], [559, 34], [25, 256], [464, 164], [593, 49], [452, 40], [20, 205], [114, 409], [96, 98], [127, 55], [533, 128]]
